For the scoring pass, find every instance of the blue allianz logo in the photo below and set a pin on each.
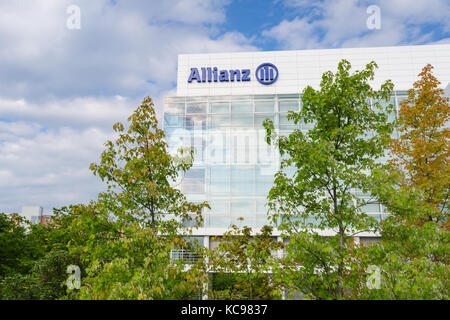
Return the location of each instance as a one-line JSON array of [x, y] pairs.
[[266, 73]]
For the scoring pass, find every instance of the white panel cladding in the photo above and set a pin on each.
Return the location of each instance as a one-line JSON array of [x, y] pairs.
[[297, 69]]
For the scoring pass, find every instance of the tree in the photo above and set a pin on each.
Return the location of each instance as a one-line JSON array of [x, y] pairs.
[[140, 173], [17, 253], [132, 228], [423, 150], [122, 242], [241, 265], [33, 258], [329, 162], [413, 255], [139, 266]]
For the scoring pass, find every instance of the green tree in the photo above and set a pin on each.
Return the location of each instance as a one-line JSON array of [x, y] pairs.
[[139, 266], [123, 240], [140, 174], [18, 286], [349, 134], [241, 265], [17, 253], [139, 219], [34, 260]]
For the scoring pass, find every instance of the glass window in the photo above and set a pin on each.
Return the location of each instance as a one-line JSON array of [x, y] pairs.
[[371, 207], [242, 107], [266, 153], [219, 206], [382, 104], [195, 121], [261, 207], [261, 220], [242, 208], [199, 145], [174, 133], [219, 221], [194, 181], [222, 107], [264, 106], [288, 96], [196, 108], [221, 98], [285, 106], [242, 120], [220, 179], [242, 180], [264, 181], [264, 97], [173, 120], [217, 121], [174, 108]]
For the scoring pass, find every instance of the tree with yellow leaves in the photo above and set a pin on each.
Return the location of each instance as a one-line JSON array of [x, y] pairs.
[[423, 148], [413, 255]]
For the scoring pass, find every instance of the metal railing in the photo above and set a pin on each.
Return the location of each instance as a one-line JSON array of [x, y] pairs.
[[185, 255]]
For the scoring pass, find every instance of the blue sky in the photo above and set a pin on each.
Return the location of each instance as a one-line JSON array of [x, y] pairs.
[[61, 90]]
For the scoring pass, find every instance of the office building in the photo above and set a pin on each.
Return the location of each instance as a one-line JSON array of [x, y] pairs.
[[223, 98]]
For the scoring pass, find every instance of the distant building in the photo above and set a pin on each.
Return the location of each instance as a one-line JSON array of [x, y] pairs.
[[35, 215], [32, 213]]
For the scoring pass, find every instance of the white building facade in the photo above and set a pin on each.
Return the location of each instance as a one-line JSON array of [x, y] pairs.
[[222, 100]]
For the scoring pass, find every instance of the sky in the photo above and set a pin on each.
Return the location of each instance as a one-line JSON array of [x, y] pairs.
[[64, 82]]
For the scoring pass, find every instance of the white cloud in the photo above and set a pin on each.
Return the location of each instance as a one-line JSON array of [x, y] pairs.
[[61, 90], [128, 48], [47, 168], [71, 112], [342, 23]]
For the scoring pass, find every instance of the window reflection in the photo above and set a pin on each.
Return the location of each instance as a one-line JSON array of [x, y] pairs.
[[196, 108], [242, 120], [173, 120], [194, 181], [192, 121], [219, 206], [285, 106], [264, 106], [264, 181], [219, 121], [242, 180], [174, 107], [222, 107], [220, 179], [242, 208], [241, 107]]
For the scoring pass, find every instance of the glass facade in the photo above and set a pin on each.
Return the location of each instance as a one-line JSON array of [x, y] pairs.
[[233, 165]]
